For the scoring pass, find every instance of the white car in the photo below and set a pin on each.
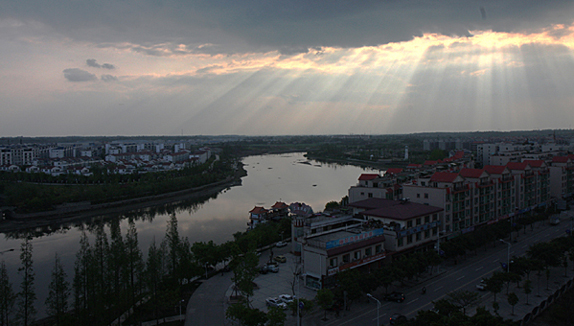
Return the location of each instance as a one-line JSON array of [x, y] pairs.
[[280, 244], [481, 286], [287, 298], [275, 302]]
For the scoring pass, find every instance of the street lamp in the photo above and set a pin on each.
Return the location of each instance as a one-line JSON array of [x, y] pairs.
[[180, 306], [378, 306], [508, 255]]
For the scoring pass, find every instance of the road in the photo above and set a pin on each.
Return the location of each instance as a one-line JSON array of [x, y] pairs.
[[463, 276]]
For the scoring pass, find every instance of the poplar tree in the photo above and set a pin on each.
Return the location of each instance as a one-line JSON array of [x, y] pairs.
[[81, 284], [173, 243], [7, 296], [100, 278], [117, 270], [135, 264], [27, 295], [154, 274], [59, 291]]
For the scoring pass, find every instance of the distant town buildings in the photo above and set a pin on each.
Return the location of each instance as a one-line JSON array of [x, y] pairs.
[[115, 156]]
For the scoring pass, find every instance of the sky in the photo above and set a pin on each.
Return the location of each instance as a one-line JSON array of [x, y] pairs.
[[284, 67]]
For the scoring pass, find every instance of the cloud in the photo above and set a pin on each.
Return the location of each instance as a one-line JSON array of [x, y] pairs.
[[95, 64], [108, 78], [78, 75], [279, 25]]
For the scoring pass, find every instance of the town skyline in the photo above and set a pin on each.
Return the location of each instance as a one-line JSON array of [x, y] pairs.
[[284, 68]]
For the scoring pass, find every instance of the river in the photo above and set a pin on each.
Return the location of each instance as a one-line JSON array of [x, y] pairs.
[[270, 178]]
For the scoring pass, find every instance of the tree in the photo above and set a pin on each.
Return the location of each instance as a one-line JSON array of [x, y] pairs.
[[153, 273], [246, 315], [331, 205], [324, 299], [27, 295], [245, 271], [276, 316], [494, 284], [173, 244], [7, 296], [527, 287], [512, 300], [495, 306], [135, 264], [58, 293], [81, 285], [462, 299], [304, 306]]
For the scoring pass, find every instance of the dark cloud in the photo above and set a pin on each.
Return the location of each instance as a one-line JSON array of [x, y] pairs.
[[95, 64], [78, 75], [288, 26], [108, 78]]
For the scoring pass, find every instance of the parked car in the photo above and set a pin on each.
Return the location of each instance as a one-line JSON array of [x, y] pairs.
[[287, 298], [397, 319], [263, 270], [275, 302], [395, 296], [280, 244], [273, 268], [280, 259]]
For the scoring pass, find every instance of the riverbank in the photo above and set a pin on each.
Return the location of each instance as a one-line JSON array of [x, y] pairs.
[[72, 213]]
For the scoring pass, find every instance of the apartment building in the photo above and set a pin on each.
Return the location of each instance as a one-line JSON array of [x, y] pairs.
[[407, 225], [562, 176]]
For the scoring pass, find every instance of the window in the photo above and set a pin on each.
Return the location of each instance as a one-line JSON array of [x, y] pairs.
[[333, 262], [378, 249], [418, 195], [426, 195], [427, 233], [409, 224], [370, 195], [409, 239], [419, 221], [419, 236], [368, 252], [427, 219], [362, 194], [400, 242], [435, 217], [357, 255], [346, 258]]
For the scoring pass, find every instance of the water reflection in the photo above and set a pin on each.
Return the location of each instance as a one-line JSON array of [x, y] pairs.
[[215, 217]]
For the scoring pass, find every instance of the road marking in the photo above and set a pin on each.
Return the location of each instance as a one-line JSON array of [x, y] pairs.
[[494, 261], [481, 267], [512, 252], [375, 319], [460, 278], [440, 287], [412, 301]]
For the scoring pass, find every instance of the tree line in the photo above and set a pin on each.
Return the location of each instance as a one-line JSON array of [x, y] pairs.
[[30, 192], [112, 275]]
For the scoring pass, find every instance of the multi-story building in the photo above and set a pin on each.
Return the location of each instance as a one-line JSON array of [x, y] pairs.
[[471, 197], [327, 253], [407, 225], [562, 176], [375, 186]]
